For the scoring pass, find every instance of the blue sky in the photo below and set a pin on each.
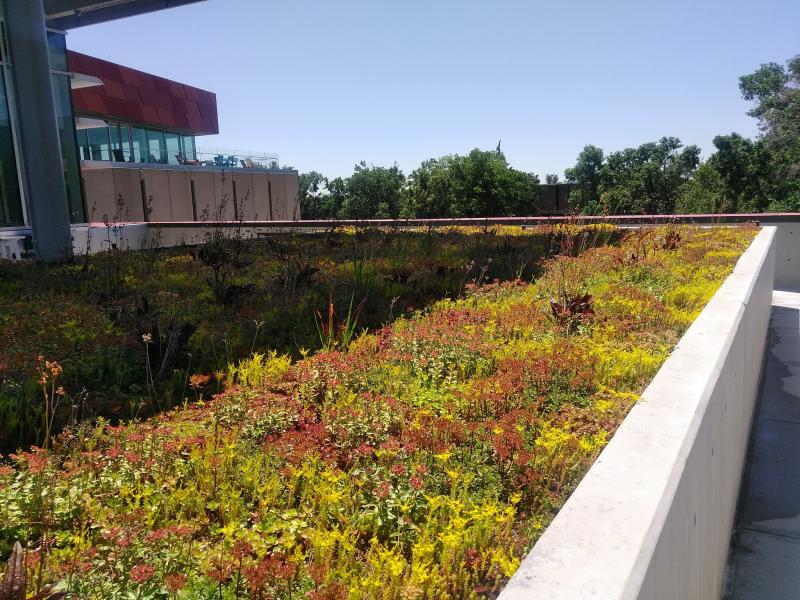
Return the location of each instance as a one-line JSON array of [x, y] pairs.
[[327, 84]]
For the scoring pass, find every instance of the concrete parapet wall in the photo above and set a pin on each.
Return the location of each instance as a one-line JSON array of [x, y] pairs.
[[98, 237], [653, 516], [787, 255], [163, 194]]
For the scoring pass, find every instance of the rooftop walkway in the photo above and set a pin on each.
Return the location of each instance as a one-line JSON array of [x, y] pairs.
[[766, 554]]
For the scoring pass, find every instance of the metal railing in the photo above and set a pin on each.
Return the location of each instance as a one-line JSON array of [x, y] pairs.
[[237, 159]]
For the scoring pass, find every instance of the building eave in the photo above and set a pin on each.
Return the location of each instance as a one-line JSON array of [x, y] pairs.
[[69, 14]]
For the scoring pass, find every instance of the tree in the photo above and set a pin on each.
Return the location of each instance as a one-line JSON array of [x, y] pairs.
[[647, 179], [480, 184], [744, 167], [733, 179], [745, 175], [337, 189], [373, 192], [776, 93], [551, 178], [705, 192], [585, 175], [312, 199]]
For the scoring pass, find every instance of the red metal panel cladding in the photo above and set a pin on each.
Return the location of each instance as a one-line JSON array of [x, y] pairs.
[[132, 95]]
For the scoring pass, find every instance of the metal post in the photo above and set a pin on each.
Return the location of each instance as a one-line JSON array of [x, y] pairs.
[[40, 149]]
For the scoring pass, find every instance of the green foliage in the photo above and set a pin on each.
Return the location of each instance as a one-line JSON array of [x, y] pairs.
[[480, 184], [755, 176], [776, 92], [736, 178], [585, 176], [373, 192], [422, 462], [206, 307], [742, 175], [334, 333], [705, 192], [258, 370], [314, 202], [647, 179], [369, 193]]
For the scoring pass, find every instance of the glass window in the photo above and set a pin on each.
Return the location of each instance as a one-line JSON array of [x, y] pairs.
[[113, 136], [83, 144], [99, 143], [173, 144], [120, 143], [189, 150], [139, 144], [158, 149], [10, 200], [57, 46], [125, 142], [69, 148]]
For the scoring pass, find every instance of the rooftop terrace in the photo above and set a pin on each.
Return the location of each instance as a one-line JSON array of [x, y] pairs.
[[656, 515]]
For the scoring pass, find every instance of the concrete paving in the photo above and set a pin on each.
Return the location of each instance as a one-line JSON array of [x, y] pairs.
[[765, 563]]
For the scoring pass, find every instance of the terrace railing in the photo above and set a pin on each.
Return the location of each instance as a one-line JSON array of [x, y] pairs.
[[237, 159]]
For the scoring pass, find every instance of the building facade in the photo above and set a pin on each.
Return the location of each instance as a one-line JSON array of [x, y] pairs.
[[85, 140]]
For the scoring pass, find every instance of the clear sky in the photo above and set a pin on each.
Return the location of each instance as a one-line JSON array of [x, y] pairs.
[[329, 83]]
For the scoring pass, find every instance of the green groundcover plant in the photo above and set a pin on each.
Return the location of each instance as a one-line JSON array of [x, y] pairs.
[[421, 462], [203, 307]]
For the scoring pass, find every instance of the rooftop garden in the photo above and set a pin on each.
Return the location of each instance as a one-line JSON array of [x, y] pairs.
[[204, 307], [421, 459]]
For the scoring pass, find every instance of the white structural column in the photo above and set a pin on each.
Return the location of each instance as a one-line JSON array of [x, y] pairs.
[[40, 150]]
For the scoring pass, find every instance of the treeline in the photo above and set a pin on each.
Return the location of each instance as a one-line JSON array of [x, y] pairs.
[[742, 175], [480, 184], [662, 177]]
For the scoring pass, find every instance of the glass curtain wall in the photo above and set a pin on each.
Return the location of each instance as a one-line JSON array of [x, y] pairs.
[[122, 149], [10, 199], [10, 196], [69, 148], [98, 143], [119, 142], [139, 144], [158, 148], [189, 149], [62, 95], [173, 145]]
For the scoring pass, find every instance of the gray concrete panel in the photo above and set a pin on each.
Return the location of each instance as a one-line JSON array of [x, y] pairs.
[[260, 196], [278, 187], [787, 263], [128, 186], [98, 186], [245, 199], [292, 198], [180, 193], [223, 197], [157, 195], [204, 195]]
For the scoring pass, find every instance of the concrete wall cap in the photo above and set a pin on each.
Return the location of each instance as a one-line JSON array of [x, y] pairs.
[[602, 542]]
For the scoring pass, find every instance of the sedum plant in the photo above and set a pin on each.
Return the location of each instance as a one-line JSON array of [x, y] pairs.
[[421, 462]]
